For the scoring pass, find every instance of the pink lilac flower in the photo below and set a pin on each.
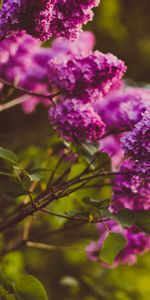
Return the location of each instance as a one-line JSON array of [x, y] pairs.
[[75, 121], [16, 56], [36, 80], [130, 191], [19, 65], [46, 18], [137, 243], [65, 49], [87, 77], [136, 143], [124, 107]]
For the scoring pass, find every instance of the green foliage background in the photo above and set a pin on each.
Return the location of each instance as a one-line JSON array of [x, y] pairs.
[[121, 27]]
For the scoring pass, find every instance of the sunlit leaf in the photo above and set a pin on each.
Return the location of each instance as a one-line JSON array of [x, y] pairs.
[[27, 287], [8, 156], [113, 244]]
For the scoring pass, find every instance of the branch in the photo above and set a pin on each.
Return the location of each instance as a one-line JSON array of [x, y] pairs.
[[42, 246], [74, 218], [28, 92], [59, 192], [115, 132], [13, 103]]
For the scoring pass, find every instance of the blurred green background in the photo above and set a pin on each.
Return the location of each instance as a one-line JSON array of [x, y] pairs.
[[123, 28]]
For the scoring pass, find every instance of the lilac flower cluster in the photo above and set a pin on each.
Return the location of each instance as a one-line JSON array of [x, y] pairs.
[[46, 18], [29, 62], [16, 56], [137, 243], [130, 190], [124, 106], [86, 78], [92, 98], [126, 109], [9, 16], [80, 75], [136, 143], [75, 121], [19, 65], [66, 49]]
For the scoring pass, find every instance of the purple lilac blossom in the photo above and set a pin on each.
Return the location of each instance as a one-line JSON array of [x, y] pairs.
[[86, 78], [46, 18], [64, 49], [9, 16], [36, 78], [36, 81], [75, 121], [136, 143], [137, 243], [16, 56], [130, 191], [19, 65], [125, 107]]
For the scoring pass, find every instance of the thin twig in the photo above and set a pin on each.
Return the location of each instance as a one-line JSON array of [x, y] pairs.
[[42, 246], [54, 172], [75, 218], [29, 92], [114, 132], [13, 103]]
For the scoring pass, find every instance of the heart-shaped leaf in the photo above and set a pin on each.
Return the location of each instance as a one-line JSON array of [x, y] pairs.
[[113, 244], [27, 287]]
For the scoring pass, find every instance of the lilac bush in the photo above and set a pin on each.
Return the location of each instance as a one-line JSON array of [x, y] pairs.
[[89, 106]]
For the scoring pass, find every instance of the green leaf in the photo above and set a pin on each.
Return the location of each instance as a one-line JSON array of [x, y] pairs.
[[143, 220], [113, 244], [96, 203], [27, 287], [23, 177], [77, 213], [8, 156], [105, 213], [87, 151], [39, 173], [90, 149], [126, 217]]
